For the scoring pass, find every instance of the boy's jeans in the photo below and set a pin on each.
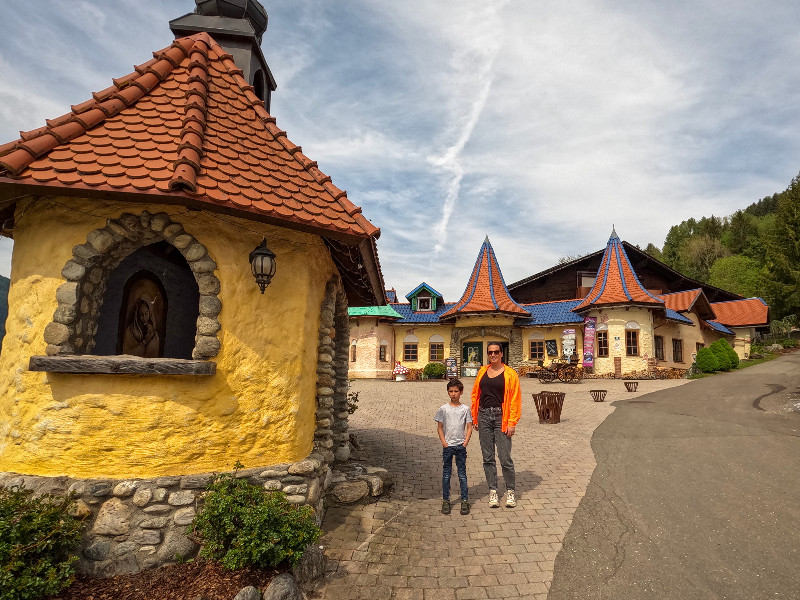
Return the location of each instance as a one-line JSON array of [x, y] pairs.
[[460, 453], [490, 423]]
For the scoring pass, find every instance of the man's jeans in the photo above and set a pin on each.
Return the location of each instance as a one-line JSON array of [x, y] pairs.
[[460, 454], [490, 422]]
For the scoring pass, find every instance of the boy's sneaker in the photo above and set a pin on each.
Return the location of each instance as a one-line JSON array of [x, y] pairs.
[[511, 501], [494, 502], [445, 507], [464, 507]]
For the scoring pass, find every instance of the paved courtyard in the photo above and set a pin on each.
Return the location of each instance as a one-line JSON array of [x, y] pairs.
[[401, 546]]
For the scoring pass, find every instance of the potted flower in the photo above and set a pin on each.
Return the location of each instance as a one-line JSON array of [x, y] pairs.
[[399, 371]]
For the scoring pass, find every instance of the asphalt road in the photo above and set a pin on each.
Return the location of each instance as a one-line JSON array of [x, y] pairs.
[[696, 494]]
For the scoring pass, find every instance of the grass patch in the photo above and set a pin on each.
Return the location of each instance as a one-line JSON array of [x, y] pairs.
[[757, 361]]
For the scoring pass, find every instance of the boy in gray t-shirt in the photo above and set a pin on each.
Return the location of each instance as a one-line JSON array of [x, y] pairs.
[[455, 428]]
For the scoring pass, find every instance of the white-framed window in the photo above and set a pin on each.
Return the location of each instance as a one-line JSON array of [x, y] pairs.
[[423, 303]]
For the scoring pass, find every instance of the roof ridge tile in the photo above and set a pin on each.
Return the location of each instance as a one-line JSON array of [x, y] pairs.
[[190, 146]]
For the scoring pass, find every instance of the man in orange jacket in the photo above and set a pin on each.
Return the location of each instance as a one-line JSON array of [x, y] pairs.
[[496, 409]]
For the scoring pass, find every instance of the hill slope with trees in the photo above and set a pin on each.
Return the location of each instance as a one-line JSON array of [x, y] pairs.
[[753, 252]]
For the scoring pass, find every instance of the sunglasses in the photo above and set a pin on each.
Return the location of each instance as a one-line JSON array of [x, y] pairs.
[[494, 352]]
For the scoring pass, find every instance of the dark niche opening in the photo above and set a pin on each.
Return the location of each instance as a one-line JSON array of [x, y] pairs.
[[259, 85], [150, 306]]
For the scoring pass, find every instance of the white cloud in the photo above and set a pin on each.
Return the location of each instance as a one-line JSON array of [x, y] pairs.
[[539, 124]]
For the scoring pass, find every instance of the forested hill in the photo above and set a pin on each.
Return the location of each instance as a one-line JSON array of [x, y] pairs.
[[753, 252], [4, 281]]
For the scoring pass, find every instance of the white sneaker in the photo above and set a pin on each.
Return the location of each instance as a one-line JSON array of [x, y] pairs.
[[494, 502], [511, 501]]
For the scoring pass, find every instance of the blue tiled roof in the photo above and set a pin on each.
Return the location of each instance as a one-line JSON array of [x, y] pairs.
[[551, 313], [545, 313], [410, 316], [720, 327], [673, 316]]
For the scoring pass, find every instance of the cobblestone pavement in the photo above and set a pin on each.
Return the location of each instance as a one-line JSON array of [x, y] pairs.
[[401, 546]]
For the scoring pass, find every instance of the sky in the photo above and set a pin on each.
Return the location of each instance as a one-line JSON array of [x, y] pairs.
[[539, 123]]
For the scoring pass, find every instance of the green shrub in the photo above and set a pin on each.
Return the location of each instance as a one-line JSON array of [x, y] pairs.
[[706, 360], [722, 356], [37, 535], [242, 525], [732, 356], [352, 402], [789, 343], [434, 370]]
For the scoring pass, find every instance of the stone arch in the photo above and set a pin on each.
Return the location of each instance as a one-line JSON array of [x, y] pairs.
[[74, 322], [512, 334]]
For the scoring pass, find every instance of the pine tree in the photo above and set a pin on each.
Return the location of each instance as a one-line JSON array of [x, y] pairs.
[[782, 281]]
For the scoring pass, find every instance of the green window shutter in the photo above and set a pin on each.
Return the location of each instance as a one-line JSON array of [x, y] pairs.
[[414, 304]]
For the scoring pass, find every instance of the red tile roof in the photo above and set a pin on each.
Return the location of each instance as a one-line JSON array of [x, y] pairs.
[[740, 313], [689, 300], [616, 281], [486, 290], [186, 126], [681, 301]]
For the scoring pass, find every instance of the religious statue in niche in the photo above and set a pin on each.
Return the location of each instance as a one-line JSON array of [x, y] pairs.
[[143, 317]]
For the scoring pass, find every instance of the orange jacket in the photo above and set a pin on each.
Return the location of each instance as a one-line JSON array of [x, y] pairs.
[[512, 398]]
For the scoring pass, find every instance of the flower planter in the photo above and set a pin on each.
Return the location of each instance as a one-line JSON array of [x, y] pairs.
[[631, 385]]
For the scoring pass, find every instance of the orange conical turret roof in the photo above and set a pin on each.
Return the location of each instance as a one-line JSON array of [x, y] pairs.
[[616, 281], [486, 290]]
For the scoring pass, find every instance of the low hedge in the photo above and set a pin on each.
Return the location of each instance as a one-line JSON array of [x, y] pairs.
[[37, 536]]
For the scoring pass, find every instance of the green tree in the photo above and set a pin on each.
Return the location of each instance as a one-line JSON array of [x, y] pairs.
[[653, 251], [676, 238], [765, 206], [737, 274], [741, 233], [782, 281], [699, 253]]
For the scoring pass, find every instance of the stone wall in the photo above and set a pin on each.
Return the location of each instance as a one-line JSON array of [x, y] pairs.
[[136, 524], [331, 438]]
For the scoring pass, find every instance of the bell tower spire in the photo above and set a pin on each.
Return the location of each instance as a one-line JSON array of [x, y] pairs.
[[237, 26]]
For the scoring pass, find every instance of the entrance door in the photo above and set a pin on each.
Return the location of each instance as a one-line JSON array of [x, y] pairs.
[[504, 346], [471, 358]]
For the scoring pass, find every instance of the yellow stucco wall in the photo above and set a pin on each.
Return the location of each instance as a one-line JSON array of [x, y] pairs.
[[616, 319], [368, 333], [484, 321], [741, 341], [259, 407], [423, 334]]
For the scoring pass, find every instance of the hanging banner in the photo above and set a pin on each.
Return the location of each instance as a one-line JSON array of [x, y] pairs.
[[567, 343], [589, 326]]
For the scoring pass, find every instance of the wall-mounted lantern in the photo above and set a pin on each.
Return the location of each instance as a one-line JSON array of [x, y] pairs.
[[262, 262]]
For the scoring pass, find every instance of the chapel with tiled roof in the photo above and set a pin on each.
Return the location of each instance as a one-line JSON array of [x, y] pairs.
[[177, 256]]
